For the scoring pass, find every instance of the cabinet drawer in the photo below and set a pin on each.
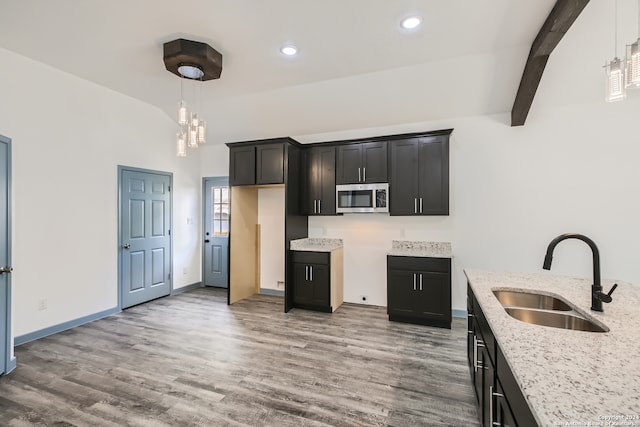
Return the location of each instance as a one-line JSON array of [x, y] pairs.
[[436, 265], [514, 396], [307, 257]]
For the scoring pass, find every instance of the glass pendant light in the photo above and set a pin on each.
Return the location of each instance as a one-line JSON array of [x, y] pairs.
[[202, 131], [182, 144], [615, 83], [633, 60]]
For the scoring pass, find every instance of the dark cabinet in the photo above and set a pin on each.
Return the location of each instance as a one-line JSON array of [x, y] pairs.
[[499, 399], [259, 164], [319, 181], [419, 181], [419, 290], [362, 162], [311, 280], [242, 165]]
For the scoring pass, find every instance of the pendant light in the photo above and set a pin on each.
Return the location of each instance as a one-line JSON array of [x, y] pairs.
[[197, 62], [633, 60], [615, 83]]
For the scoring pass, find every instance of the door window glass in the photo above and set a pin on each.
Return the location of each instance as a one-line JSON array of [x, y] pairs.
[[220, 209]]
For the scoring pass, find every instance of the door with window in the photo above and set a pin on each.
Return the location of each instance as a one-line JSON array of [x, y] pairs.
[[6, 344], [145, 235], [216, 232]]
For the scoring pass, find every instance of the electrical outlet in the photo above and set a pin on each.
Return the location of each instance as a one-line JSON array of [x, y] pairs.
[[364, 299], [42, 304], [280, 284]]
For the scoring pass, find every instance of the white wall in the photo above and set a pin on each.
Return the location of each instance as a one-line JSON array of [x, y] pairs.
[[68, 137], [271, 220]]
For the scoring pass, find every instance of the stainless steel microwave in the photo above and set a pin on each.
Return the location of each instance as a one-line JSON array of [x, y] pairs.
[[360, 198]]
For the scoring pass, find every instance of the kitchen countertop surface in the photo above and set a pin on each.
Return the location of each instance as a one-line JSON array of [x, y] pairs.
[[417, 248], [570, 376], [316, 244]]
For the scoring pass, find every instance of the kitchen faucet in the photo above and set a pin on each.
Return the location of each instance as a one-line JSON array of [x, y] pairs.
[[597, 296]]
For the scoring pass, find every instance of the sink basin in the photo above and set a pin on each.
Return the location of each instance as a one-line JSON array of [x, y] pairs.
[[554, 319], [527, 300]]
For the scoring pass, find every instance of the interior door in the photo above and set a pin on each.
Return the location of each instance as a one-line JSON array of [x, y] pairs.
[[216, 232], [145, 241], [6, 346]]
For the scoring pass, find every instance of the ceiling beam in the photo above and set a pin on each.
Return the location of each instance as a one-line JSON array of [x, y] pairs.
[[561, 17]]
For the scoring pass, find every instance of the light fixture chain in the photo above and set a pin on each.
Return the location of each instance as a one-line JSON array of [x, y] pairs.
[[615, 36]]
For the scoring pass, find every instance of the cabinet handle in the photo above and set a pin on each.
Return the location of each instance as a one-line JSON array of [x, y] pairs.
[[491, 405], [359, 180], [415, 205], [476, 344], [420, 204], [470, 316], [364, 174], [420, 281], [319, 206], [414, 281], [311, 273], [306, 273]]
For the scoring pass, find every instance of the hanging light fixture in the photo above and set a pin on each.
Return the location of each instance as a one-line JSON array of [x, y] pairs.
[[194, 61], [615, 83], [633, 60]]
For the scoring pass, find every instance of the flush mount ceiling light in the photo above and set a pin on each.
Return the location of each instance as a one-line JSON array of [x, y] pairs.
[[289, 50], [411, 22], [194, 61]]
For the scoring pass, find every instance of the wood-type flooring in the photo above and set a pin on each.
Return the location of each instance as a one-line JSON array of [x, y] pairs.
[[192, 360]]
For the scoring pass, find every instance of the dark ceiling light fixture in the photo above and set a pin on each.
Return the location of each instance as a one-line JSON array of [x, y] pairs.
[[196, 61]]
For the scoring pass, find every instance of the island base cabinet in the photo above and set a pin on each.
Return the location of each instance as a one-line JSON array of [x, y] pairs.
[[419, 290]]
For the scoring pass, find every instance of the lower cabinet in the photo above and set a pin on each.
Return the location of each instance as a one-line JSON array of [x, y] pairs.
[[499, 399], [317, 280], [419, 290]]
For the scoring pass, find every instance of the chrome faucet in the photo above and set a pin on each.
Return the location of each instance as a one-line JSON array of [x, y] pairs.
[[597, 296]]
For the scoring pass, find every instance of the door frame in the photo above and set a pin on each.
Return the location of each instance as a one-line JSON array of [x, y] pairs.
[[122, 168], [221, 180], [10, 360]]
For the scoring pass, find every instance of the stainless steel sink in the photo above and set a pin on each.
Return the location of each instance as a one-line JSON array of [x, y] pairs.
[[528, 300], [554, 319]]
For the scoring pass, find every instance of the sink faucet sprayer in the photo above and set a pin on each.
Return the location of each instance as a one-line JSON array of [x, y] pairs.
[[597, 296]]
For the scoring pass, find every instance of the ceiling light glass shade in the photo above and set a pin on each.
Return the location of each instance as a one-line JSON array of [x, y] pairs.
[[615, 81], [633, 65], [289, 50], [182, 113], [194, 120], [411, 22], [181, 144], [193, 137], [202, 132], [190, 72]]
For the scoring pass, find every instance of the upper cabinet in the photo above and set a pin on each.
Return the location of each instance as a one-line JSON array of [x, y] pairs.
[[419, 181], [361, 162], [256, 164], [319, 180]]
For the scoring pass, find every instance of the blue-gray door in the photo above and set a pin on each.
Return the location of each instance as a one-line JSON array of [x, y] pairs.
[[5, 256], [145, 241], [216, 232]]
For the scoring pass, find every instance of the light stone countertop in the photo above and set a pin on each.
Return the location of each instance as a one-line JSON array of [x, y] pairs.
[[418, 248], [569, 376], [316, 244]]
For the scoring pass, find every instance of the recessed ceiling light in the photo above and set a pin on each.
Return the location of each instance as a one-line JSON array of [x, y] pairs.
[[411, 22], [289, 50]]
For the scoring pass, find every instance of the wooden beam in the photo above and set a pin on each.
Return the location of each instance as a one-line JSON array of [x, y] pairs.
[[561, 17]]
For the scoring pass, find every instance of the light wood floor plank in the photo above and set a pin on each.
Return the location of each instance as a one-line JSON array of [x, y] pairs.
[[191, 360]]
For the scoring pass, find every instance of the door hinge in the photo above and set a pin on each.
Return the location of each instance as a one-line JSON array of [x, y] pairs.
[[169, 232], [169, 276], [169, 187]]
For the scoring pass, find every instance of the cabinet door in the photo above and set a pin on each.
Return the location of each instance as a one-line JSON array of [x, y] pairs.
[[487, 373], [402, 288], [326, 177], [309, 182], [302, 289], [270, 164], [242, 165], [311, 284], [349, 164], [433, 296], [374, 162], [404, 181], [434, 175], [503, 416]]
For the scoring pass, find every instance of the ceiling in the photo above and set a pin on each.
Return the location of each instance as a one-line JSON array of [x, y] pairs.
[[356, 67]]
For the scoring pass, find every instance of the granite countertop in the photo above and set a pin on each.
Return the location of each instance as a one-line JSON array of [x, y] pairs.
[[316, 244], [569, 376], [418, 248]]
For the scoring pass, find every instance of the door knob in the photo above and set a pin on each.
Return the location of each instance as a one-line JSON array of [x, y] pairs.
[[206, 241], [6, 269], [126, 246]]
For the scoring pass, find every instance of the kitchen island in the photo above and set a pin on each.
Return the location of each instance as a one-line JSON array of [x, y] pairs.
[[568, 377]]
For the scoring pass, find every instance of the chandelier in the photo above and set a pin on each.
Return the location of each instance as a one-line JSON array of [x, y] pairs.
[[191, 60], [623, 74]]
